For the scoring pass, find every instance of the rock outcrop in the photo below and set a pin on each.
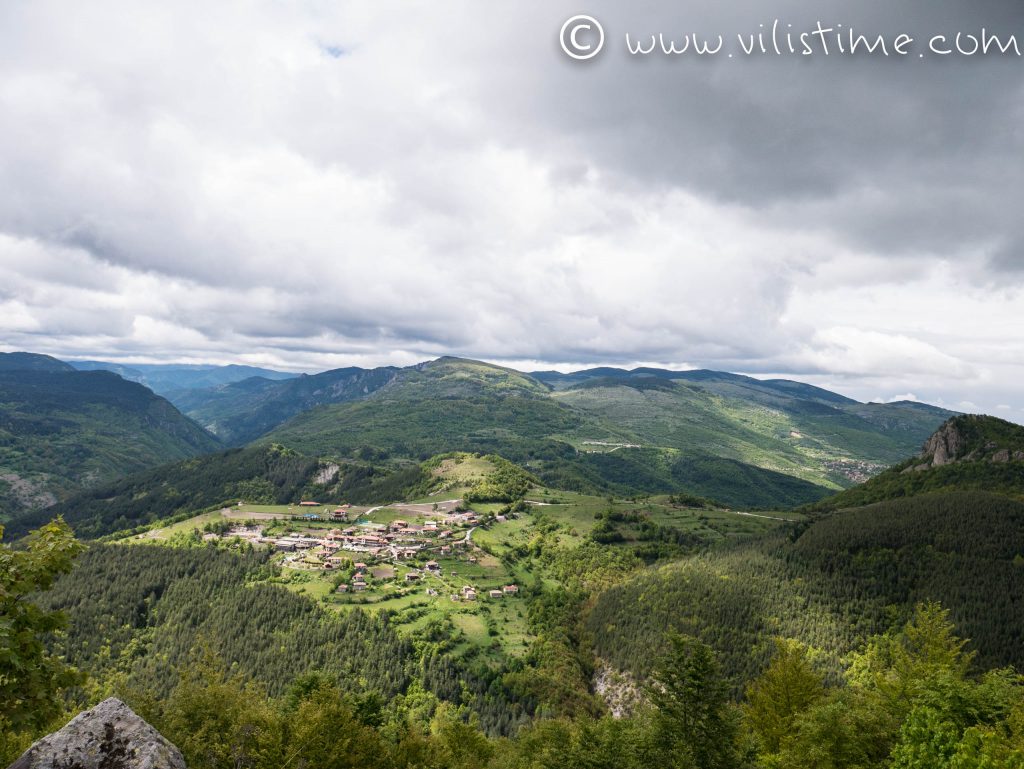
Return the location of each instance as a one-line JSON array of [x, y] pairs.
[[946, 445], [108, 736], [972, 438]]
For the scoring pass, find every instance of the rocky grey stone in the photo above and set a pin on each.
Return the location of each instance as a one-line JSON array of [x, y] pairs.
[[108, 736], [945, 446]]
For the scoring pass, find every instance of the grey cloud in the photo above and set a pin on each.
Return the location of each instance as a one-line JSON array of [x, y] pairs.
[[452, 183]]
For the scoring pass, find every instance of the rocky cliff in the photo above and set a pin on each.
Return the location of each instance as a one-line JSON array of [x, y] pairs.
[[972, 438]]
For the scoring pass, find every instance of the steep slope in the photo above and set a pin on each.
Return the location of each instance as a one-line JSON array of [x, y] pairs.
[[61, 430], [240, 412], [832, 584], [966, 452]]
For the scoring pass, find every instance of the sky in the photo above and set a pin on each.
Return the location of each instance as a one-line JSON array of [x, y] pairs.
[[308, 185]]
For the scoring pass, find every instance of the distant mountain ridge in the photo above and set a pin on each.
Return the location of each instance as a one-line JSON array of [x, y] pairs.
[[743, 441], [622, 432], [28, 361], [171, 379], [558, 380]]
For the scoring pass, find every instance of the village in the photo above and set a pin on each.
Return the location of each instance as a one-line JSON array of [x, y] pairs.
[[371, 549]]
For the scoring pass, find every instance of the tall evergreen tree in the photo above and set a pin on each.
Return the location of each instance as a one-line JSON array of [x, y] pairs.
[[694, 722]]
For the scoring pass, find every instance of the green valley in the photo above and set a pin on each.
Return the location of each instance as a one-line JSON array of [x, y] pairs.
[[533, 561]]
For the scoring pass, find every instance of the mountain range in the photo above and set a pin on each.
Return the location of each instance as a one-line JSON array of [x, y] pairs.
[[171, 379], [726, 436], [742, 441]]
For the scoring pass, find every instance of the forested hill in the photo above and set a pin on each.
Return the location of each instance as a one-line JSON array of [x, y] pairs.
[[832, 584], [63, 430], [259, 475], [966, 452], [28, 361], [647, 431]]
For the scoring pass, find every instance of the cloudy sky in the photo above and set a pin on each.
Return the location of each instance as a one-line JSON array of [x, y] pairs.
[[305, 185]]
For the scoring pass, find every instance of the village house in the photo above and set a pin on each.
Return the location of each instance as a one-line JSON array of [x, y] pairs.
[[412, 576], [358, 587], [368, 540], [495, 593], [342, 589], [309, 504], [510, 589], [433, 566]]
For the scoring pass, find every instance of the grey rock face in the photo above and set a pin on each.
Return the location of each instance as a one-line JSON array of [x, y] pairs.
[[109, 736], [944, 446]]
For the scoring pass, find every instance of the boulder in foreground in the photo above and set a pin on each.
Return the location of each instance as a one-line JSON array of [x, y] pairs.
[[108, 736]]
